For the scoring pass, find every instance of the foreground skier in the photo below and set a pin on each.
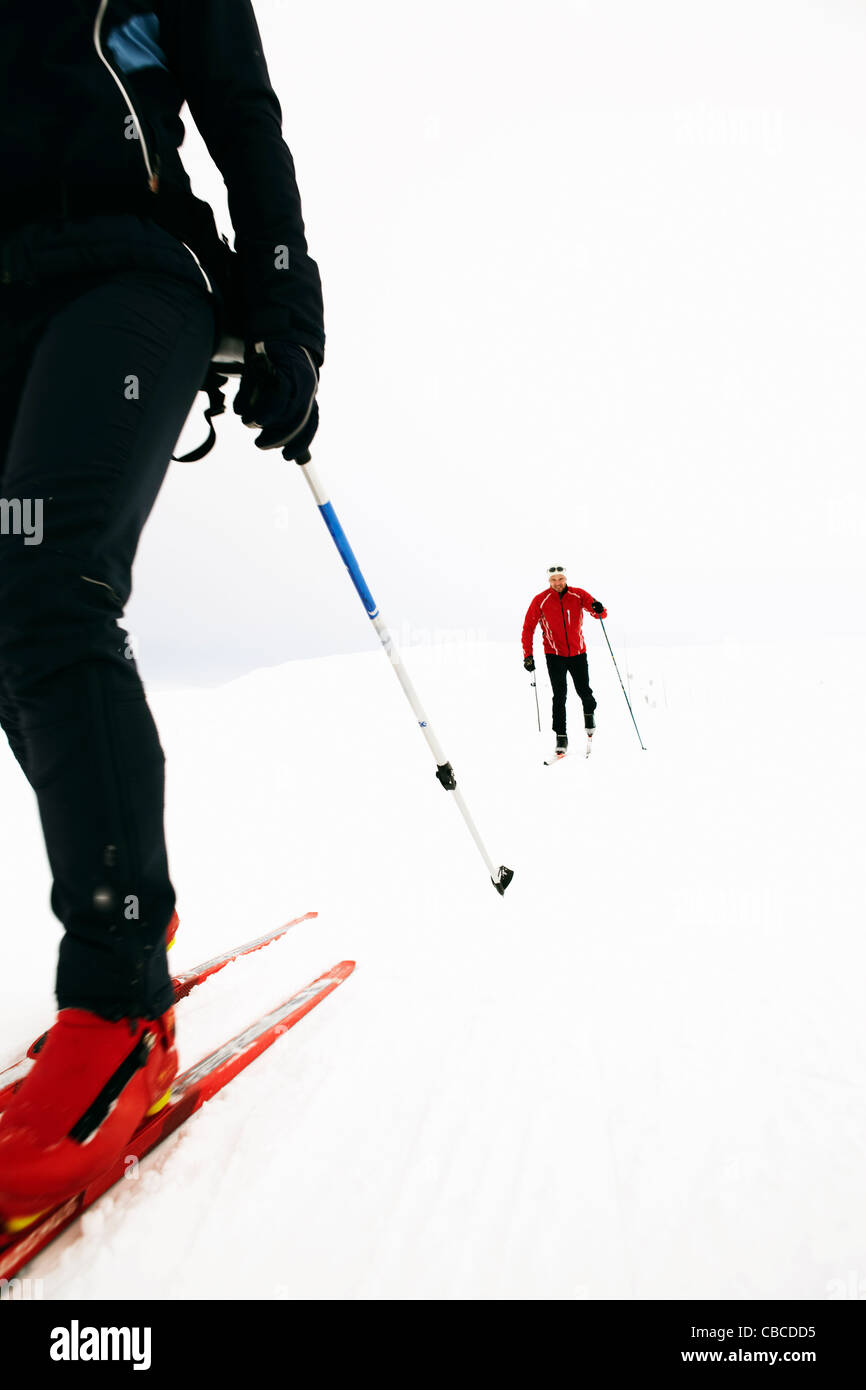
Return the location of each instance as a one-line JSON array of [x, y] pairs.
[[560, 609], [115, 290]]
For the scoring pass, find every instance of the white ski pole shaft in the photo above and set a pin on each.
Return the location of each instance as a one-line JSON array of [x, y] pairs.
[[502, 876]]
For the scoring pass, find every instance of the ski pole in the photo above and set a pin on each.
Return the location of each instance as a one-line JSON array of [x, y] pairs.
[[502, 876], [621, 686], [537, 710]]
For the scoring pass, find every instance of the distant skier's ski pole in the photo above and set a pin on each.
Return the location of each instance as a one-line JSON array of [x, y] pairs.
[[502, 876], [537, 710], [621, 686]]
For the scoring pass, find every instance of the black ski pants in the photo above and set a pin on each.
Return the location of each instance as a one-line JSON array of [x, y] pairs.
[[559, 668], [106, 330]]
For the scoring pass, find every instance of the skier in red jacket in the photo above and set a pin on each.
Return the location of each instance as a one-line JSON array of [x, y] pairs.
[[560, 609]]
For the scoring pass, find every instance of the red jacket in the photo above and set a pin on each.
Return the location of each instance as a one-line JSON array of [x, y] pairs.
[[561, 618]]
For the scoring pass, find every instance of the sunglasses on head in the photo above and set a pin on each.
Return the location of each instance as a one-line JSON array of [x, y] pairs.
[[556, 569]]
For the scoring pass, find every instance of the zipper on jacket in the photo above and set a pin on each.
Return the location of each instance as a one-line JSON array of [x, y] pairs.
[[564, 623], [152, 173]]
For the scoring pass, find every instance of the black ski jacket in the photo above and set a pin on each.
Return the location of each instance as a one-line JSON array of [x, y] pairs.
[[90, 99]]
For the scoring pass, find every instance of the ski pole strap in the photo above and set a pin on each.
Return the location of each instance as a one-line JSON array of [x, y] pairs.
[[213, 384]]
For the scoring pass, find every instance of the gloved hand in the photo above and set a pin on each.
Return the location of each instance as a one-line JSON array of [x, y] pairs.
[[529, 663], [597, 608], [277, 395]]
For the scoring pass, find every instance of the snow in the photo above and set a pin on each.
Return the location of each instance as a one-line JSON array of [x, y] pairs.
[[594, 289], [637, 1075]]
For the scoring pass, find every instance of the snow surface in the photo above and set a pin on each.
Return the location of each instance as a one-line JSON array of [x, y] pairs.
[[638, 1075]]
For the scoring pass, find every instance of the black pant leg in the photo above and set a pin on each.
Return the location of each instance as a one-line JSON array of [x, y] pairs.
[[557, 669], [113, 375], [11, 726], [13, 374], [579, 668]]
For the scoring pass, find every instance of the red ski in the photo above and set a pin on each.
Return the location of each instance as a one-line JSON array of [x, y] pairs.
[[183, 985], [190, 1091]]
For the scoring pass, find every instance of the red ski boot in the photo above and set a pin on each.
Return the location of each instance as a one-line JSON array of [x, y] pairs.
[[36, 1047], [92, 1084]]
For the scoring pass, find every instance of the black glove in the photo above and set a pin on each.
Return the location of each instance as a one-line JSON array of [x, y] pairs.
[[597, 608], [529, 663], [277, 395]]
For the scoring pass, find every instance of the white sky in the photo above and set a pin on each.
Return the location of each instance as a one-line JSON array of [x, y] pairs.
[[595, 293]]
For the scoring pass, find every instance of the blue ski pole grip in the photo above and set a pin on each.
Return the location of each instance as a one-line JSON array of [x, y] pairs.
[[346, 551]]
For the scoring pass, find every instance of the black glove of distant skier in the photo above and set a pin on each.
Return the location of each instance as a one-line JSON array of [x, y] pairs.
[[529, 663], [277, 395], [597, 608]]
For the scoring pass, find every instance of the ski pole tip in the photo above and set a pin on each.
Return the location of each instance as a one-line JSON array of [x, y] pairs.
[[502, 879]]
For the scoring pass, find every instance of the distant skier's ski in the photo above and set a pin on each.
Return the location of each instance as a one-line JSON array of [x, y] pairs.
[[588, 744], [183, 985], [557, 758], [190, 1091]]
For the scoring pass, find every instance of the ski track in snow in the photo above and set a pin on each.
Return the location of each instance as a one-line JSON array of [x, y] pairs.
[[638, 1075]]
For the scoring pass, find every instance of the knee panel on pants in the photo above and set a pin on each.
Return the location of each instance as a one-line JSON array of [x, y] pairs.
[[52, 616]]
